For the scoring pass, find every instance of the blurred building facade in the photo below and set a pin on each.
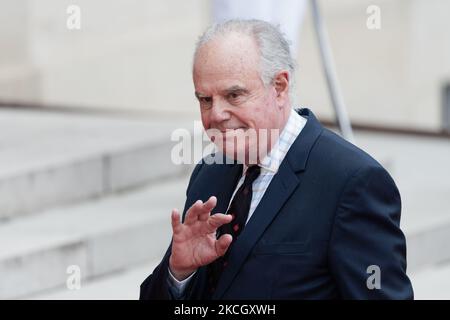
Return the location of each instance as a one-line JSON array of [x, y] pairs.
[[136, 55]]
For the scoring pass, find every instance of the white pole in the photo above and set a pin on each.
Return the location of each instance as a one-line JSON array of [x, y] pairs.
[[328, 67]]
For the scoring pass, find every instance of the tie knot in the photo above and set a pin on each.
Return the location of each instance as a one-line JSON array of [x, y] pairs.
[[251, 174]]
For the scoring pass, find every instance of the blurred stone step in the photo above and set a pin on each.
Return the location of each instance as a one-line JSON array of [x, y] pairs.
[[432, 283], [427, 240], [122, 285], [51, 158], [99, 237]]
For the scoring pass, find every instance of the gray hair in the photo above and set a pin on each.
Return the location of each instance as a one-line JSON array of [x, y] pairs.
[[273, 47]]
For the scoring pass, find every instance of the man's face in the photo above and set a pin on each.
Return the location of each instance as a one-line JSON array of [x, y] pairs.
[[232, 95]]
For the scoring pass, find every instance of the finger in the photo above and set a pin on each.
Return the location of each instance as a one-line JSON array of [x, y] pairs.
[[210, 204], [193, 212], [207, 207], [217, 220], [176, 223], [222, 244]]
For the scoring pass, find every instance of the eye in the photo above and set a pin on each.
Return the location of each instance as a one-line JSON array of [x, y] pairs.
[[205, 102], [233, 95], [205, 99]]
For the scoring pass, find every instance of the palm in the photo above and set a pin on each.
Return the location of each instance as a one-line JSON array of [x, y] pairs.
[[194, 241]]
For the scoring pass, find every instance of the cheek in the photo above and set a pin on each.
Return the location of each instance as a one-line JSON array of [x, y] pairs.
[[263, 113], [259, 113], [271, 110], [205, 120]]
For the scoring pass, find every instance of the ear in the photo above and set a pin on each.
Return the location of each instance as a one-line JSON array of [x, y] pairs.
[[281, 84]]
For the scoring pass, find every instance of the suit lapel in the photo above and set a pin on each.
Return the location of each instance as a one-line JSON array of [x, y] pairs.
[[220, 181], [278, 192]]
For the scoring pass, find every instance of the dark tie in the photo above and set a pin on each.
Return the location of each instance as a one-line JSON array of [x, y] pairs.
[[239, 208]]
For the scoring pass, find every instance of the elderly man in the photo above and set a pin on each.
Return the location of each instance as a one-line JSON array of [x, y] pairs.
[[312, 217]]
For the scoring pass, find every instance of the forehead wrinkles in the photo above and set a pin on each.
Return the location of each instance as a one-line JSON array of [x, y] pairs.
[[232, 54], [213, 82]]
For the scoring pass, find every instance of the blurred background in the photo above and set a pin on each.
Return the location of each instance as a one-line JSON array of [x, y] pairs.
[[91, 91]]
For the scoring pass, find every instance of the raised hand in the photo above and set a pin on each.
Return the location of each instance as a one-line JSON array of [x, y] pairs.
[[194, 242]]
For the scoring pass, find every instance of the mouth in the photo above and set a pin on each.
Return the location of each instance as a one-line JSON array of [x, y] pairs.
[[228, 134], [234, 129]]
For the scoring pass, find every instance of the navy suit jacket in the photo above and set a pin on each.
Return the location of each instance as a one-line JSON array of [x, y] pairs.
[[329, 214]]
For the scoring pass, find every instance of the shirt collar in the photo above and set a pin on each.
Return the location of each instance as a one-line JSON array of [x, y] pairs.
[[272, 161]]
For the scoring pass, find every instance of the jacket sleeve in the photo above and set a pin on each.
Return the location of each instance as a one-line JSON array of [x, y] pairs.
[[367, 249], [156, 286]]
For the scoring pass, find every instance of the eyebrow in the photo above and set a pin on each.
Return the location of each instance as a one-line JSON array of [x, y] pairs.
[[232, 89], [198, 94], [235, 89]]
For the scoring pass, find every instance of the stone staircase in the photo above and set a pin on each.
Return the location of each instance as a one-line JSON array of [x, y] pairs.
[[99, 237], [84, 190], [96, 192]]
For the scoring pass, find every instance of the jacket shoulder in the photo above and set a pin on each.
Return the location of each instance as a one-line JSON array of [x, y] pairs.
[[336, 152]]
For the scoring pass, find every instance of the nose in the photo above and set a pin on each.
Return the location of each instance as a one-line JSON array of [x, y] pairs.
[[219, 112]]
